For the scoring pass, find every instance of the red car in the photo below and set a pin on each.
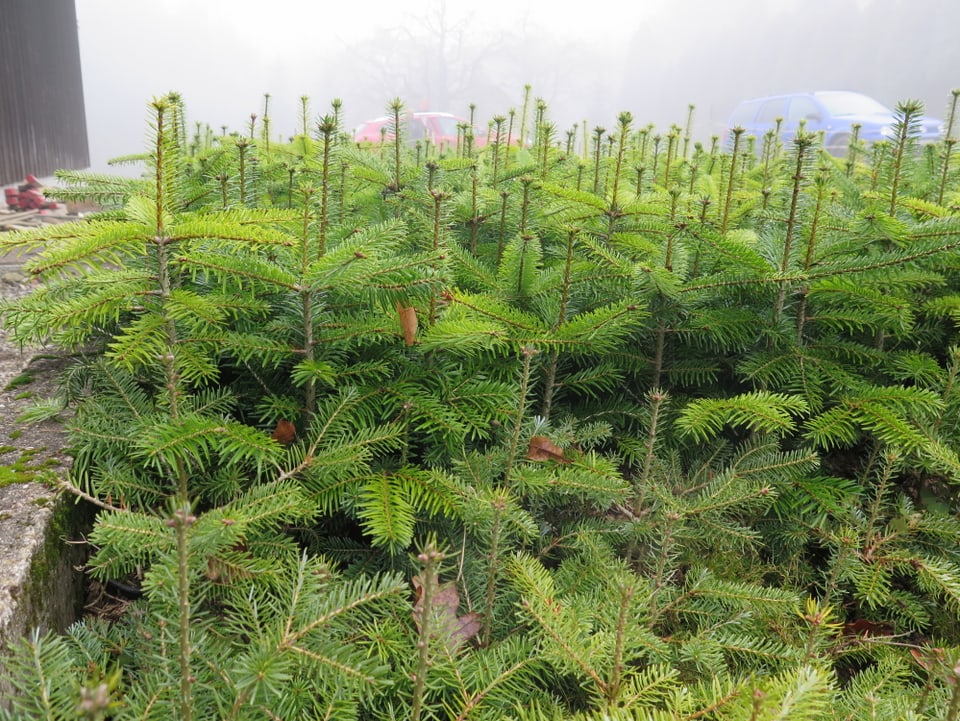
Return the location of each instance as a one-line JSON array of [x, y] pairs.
[[443, 129]]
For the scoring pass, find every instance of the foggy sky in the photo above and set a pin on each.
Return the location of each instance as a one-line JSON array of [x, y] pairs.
[[651, 57], [224, 55]]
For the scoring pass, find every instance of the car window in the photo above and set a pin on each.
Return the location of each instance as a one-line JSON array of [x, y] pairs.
[[802, 108], [846, 103], [743, 114], [447, 126], [771, 110], [415, 129]]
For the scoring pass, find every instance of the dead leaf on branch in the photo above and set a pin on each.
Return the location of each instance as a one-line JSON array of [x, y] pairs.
[[542, 448], [408, 321], [284, 433], [453, 629], [934, 660]]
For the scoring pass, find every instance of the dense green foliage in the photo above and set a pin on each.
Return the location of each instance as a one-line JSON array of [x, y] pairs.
[[620, 428]]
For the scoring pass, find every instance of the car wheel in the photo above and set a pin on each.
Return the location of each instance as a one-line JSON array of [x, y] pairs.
[[838, 145]]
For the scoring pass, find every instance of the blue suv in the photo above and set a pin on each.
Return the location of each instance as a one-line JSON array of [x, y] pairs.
[[830, 111]]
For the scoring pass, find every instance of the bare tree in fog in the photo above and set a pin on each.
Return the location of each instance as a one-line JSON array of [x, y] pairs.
[[430, 62], [439, 63]]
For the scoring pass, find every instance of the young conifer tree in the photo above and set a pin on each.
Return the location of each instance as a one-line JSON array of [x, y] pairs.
[[391, 436]]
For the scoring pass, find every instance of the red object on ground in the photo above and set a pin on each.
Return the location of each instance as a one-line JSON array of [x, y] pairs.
[[27, 196]]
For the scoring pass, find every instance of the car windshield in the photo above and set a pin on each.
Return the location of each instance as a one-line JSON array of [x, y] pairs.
[[842, 103], [448, 126]]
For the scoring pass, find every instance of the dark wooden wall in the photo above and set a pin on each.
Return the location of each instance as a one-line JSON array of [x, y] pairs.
[[43, 126]]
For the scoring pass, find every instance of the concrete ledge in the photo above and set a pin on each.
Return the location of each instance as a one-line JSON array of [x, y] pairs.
[[42, 584], [41, 581]]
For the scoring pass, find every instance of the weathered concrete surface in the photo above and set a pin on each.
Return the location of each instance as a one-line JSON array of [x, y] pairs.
[[41, 583]]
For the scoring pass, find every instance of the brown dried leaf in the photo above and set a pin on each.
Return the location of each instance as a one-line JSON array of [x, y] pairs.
[[408, 321], [284, 433], [934, 660], [448, 598], [542, 448], [454, 629], [467, 626], [864, 627]]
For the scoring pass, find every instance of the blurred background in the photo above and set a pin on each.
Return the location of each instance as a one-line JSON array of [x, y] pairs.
[[587, 62]]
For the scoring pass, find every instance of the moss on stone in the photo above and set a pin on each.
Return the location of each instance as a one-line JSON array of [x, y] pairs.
[[48, 565], [24, 469]]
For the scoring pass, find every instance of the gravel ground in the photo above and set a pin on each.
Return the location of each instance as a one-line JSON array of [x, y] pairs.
[[13, 285], [40, 364], [26, 374]]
